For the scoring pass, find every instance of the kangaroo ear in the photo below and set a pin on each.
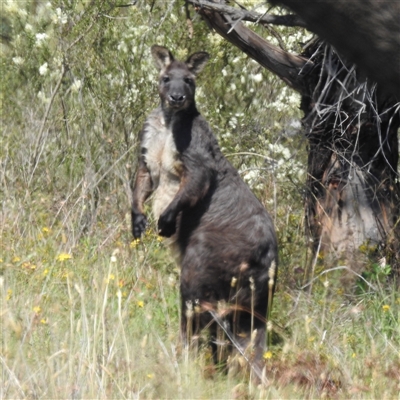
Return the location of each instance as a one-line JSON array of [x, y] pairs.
[[162, 56], [197, 61]]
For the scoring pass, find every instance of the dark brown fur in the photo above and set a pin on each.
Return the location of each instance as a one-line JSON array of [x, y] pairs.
[[219, 228]]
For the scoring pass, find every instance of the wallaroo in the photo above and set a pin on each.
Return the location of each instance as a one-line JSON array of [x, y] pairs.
[[223, 236]]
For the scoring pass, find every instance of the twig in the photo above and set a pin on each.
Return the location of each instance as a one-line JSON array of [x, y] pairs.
[[132, 3], [12, 377], [230, 336], [315, 262], [189, 22], [251, 16], [38, 149], [337, 269]]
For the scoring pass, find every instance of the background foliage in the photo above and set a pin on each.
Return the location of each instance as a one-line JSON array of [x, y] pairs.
[[86, 312]]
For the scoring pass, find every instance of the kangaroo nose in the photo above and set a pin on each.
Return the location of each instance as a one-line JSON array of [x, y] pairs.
[[176, 98]]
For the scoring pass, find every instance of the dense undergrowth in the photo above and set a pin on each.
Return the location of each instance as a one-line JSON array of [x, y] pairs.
[[88, 313]]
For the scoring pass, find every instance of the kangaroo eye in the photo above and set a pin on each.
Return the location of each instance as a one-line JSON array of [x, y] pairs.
[[189, 81], [165, 79]]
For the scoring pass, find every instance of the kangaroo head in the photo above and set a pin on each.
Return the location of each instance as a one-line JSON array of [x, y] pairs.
[[176, 83]]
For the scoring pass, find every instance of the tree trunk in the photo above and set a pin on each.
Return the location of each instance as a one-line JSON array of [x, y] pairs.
[[353, 197], [352, 206]]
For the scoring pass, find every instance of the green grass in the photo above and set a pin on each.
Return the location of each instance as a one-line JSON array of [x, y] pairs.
[[86, 313], [100, 319]]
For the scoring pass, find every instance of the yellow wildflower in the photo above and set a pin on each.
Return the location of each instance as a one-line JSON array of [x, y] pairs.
[[150, 376], [37, 309], [267, 355], [45, 272], [63, 257], [28, 265], [43, 321], [140, 303], [16, 259], [9, 294], [111, 277], [45, 229], [134, 243], [386, 308]]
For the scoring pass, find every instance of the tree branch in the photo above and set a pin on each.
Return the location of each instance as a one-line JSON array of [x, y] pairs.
[[251, 16], [289, 67], [367, 32]]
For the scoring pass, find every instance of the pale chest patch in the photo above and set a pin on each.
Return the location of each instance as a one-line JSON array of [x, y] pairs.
[[162, 160]]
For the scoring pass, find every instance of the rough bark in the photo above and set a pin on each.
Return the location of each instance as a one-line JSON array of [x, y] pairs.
[[367, 32], [353, 200]]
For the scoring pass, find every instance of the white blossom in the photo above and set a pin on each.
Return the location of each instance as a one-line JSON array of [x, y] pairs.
[[233, 122], [257, 77], [76, 85], [122, 47], [59, 17], [42, 97], [15, 7], [18, 60], [43, 69], [40, 38]]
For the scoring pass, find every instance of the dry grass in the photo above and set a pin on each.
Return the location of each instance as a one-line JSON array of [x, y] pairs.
[[100, 320], [87, 313]]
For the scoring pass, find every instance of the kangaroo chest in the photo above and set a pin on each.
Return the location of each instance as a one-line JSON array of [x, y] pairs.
[[162, 160]]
